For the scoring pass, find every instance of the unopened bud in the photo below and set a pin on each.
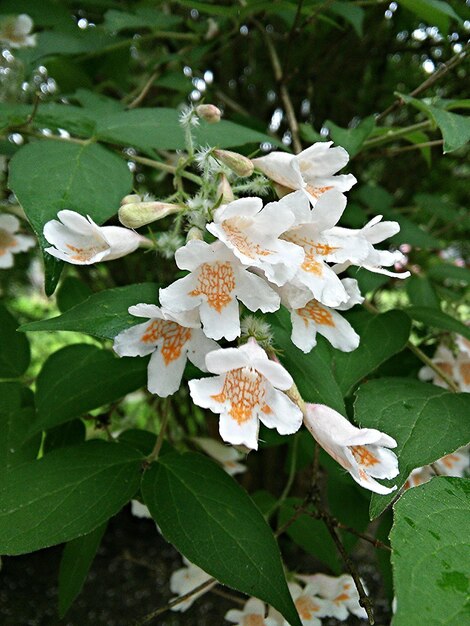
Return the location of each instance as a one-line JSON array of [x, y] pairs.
[[209, 112], [131, 199], [194, 233], [241, 165], [224, 190], [142, 213], [281, 190], [212, 29]]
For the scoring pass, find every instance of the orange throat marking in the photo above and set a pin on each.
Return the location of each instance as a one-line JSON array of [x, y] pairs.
[[363, 456], [306, 607], [84, 254], [253, 620], [6, 241], [173, 336], [316, 313], [238, 239], [245, 391], [316, 192], [465, 372], [216, 281]]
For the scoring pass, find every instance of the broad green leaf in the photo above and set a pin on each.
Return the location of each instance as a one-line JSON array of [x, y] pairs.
[[144, 17], [76, 560], [421, 292], [71, 292], [48, 176], [66, 494], [15, 354], [427, 422], [77, 121], [351, 139], [97, 103], [69, 434], [438, 319], [16, 419], [82, 377], [431, 553], [351, 13], [455, 128], [382, 336], [312, 373], [435, 12], [446, 271], [103, 314], [213, 522]]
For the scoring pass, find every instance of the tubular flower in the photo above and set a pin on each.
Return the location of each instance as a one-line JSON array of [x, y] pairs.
[[313, 231], [455, 464], [185, 580], [340, 593], [363, 452], [312, 171], [10, 242], [171, 339], [245, 392], [252, 614], [78, 240], [15, 31], [216, 282], [252, 233], [227, 456]]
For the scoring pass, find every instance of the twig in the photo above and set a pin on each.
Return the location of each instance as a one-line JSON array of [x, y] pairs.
[[313, 15], [290, 479], [227, 595], [349, 529], [161, 434], [164, 167], [235, 106], [392, 135], [416, 146], [144, 91]]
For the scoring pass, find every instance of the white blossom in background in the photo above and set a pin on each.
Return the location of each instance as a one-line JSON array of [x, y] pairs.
[[79, 240], [456, 464], [171, 339], [15, 31], [309, 606], [246, 391], [186, 579], [456, 367], [216, 282], [252, 233], [10, 241], [140, 510], [312, 171], [339, 592], [227, 456], [252, 614], [363, 452]]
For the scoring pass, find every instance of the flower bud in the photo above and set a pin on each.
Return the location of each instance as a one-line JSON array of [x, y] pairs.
[[212, 29], [224, 190], [241, 165], [142, 213], [132, 198], [194, 233], [209, 112]]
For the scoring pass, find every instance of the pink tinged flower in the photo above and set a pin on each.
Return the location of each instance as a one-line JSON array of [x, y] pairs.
[[314, 317], [363, 452], [185, 580], [252, 233], [252, 614], [216, 282], [171, 339], [314, 231], [312, 171], [78, 240], [10, 241], [339, 592], [227, 456], [246, 391]]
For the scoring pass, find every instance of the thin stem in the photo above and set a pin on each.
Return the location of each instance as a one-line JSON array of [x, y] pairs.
[[290, 479], [235, 106], [417, 146], [227, 596], [153, 456], [124, 43], [349, 529], [392, 135], [144, 91], [164, 167]]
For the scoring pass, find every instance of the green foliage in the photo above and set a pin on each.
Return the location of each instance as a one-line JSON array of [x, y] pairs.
[[421, 293], [210, 519], [431, 556], [16, 419], [435, 318], [15, 354]]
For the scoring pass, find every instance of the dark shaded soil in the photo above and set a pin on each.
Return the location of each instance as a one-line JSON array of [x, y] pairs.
[[128, 580]]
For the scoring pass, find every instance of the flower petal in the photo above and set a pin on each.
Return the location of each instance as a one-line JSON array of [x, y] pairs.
[[163, 376], [284, 415]]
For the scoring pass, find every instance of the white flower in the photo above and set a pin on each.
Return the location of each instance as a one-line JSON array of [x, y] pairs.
[[78, 240], [252, 614], [313, 231], [227, 456], [363, 452], [313, 317], [445, 361], [455, 464], [340, 593], [462, 371], [185, 580], [171, 338], [311, 171], [15, 29], [252, 233], [140, 510], [216, 281], [10, 242], [419, 476], [309, 606], [245, 392]]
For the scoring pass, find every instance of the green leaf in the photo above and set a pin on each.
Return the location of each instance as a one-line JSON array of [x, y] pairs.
[[48, 176], [76, 560], [16, 418], [69, 434], [351, 139], [144, 17], [427, 422], [103, 314], [421, 292], [15, 354], [438, 319], [351, 13], [446, 271], [71, 292], [455, 128], [431, 553], [66, 494], [382, 336], [435, 12], [311, 372], [213, 522], [82, 377]]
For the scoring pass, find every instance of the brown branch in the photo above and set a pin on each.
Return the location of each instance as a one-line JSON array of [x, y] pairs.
[[144, 91]]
